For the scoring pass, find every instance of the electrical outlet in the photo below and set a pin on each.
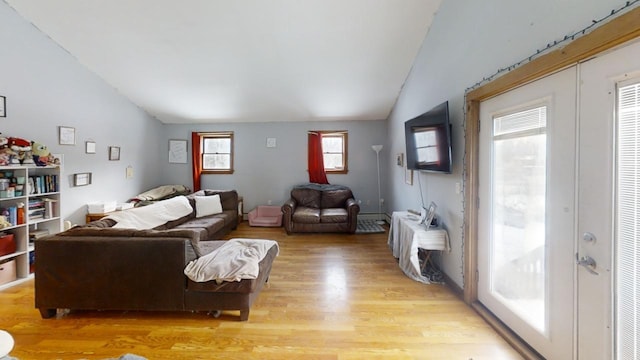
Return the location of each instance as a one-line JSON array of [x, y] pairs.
[[268, 202], [381, 201]]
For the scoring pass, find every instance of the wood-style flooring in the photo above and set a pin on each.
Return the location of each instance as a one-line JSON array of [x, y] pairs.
[[329, 296]]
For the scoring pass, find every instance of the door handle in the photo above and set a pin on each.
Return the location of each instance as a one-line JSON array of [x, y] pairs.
[[588, 263]]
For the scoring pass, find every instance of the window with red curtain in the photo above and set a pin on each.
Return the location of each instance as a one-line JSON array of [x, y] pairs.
[[315, 159], [212, 154]]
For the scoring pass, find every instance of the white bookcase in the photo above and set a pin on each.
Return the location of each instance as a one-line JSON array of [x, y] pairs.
[[41, 190]]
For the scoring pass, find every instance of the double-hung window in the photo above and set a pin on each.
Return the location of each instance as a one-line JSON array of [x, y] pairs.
[[217, 152], [334, 151]]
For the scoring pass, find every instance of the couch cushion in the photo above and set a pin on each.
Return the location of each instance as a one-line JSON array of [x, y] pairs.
[[334, 198], [228, 198], [307, 197], [306, 215], [211, 223], [208, 205], [334, 215]]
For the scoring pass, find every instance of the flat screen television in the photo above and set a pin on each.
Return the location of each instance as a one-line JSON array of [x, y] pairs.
[[428, 140]]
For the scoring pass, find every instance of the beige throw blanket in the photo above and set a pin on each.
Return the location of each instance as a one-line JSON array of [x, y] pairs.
[[235, 260], [148, 217]]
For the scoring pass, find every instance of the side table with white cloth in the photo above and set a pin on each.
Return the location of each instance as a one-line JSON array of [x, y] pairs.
[[406, 235]]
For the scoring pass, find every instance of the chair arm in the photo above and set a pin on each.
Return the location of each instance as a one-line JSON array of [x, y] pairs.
[[287, 214], [352, 207], [352, 214]]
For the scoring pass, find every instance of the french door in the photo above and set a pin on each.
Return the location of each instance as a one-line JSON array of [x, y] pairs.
[[527, 211], [559, 209], [609, 206]]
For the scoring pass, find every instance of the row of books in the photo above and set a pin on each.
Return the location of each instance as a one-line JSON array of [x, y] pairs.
[[41, 208], [41, 184]]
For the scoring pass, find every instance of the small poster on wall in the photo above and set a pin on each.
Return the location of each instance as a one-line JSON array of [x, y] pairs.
[[178, 151]]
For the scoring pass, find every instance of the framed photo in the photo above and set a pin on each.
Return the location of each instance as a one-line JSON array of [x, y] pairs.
[[66, 135], [408, 176], [82, 179], [3, 106], [90, 147], [400, 159], [114, 152], [428, 214], [178, 151]]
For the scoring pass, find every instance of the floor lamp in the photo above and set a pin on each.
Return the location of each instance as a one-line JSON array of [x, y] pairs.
[[377, 149]]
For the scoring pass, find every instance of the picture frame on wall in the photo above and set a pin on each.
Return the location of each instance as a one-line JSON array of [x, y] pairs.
[[66, 135], [3, 106], [82, 179], [114, 153], [177, 151], [408, 176]]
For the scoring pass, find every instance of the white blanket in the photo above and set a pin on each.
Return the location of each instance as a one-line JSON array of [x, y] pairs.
[[235, 260], [150, 216]]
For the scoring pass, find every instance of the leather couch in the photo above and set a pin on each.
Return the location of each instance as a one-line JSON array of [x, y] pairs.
[[97, 267], [320, 208]]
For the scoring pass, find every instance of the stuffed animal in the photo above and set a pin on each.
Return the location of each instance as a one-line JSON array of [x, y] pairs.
[[3, 222], [41, 154], [23, 148], [6, 156]]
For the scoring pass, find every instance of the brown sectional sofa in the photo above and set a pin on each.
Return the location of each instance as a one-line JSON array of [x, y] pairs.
[[96, 267], [320, 208]]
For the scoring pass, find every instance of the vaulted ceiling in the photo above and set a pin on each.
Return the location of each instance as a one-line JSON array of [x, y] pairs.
[[203, 61]]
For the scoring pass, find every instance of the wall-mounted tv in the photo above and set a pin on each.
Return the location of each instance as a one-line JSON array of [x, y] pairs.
[[428, 140]]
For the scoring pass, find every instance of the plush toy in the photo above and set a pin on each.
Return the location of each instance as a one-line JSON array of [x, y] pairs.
[[23, 148], [6, 156], [41, 154], [3, 222]]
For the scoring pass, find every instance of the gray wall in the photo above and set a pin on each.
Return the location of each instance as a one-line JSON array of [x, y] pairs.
[[470, 40], [46, 87], [263, 174]]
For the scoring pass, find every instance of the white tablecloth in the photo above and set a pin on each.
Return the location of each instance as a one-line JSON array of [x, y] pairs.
[[406, 235]]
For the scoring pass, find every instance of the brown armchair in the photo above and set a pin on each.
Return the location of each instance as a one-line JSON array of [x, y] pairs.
[[320, 208]]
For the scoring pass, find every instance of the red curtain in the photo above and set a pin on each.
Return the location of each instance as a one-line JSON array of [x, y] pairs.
[[196, 148], [316, 162]]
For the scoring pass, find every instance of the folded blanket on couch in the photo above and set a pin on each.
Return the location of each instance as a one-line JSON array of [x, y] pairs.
[[235, 260], [151, 216]]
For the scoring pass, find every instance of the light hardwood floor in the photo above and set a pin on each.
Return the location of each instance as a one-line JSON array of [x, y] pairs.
[[328, 297]]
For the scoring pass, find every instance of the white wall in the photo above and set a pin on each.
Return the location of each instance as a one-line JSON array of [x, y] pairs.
[[470, 40], [45, 87], [263, 174]]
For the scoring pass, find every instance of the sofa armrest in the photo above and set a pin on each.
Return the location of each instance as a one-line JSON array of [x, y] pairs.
[[287, 214], [352, 212]]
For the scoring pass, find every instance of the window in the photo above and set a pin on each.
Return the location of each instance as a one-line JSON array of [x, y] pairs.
[[334, 151], [217, 152], [518, 275]]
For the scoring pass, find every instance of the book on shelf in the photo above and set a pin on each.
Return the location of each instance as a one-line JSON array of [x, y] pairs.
[[36, 234]]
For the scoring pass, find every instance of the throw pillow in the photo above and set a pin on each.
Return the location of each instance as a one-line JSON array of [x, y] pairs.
[[208, 205]]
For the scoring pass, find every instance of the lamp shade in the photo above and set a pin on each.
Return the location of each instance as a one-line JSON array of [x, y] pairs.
[[376, 148]]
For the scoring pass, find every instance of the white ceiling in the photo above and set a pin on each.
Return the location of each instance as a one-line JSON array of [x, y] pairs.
[[202, 61]]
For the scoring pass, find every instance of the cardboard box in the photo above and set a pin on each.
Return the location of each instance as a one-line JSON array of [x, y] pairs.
[[7, 272]]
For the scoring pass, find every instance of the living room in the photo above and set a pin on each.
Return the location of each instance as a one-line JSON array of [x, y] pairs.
[[46, 87]]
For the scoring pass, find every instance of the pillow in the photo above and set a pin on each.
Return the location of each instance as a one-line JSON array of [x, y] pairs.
[[208, 205]]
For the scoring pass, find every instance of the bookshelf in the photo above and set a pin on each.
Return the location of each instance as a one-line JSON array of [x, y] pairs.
[[37, 191]]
